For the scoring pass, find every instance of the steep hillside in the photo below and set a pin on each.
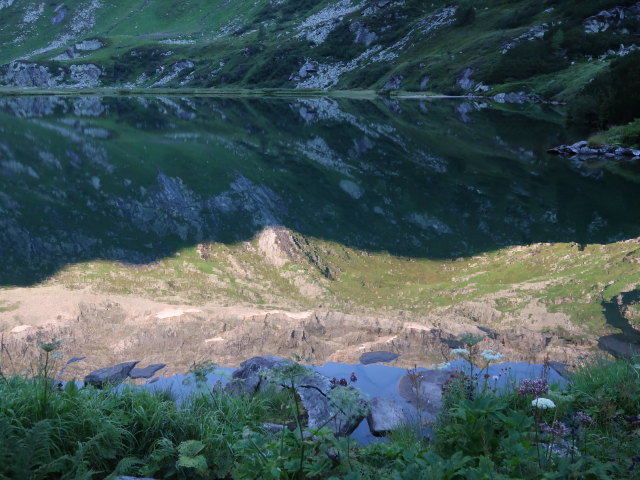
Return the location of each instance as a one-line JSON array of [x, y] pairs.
[[551, 47]]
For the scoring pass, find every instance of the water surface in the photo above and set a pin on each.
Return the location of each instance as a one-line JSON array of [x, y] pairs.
[[135, 179]]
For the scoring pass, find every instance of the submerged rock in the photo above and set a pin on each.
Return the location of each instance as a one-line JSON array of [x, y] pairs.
[[377, 357], [110, 375]]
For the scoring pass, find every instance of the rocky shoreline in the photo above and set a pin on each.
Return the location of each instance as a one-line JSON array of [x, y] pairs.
[[399, 397], [583, 151]]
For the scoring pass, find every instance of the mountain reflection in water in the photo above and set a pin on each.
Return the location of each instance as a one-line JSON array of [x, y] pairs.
[[135, 179]]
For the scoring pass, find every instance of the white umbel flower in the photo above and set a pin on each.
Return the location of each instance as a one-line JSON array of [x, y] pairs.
[[542, 403], [459, 351], [491, 356]]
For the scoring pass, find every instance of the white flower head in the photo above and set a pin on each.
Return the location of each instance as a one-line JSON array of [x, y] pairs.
[[491, 356], [460, 351], [495, 378], [440, 366], [542, 403]]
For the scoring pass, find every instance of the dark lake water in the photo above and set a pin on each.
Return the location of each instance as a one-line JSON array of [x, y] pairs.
[[135, 178]]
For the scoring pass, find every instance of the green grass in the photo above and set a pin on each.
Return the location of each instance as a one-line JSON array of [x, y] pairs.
[[81, 432]]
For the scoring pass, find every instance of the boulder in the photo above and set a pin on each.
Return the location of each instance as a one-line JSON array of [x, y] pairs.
[[393, 83], [424, 389], [313, 390], [109, 375], [307, 69], [386, 415], [464, 80], [146, 372]]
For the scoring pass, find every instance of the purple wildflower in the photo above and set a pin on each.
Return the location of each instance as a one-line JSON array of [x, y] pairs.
[[536, 387], [582, 418], [557, 429]]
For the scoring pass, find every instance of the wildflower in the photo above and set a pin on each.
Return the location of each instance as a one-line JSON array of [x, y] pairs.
[[542, 403], [353, 377], [460, 351], [582, 418], [536, 387], [491, 356], [557, 429], [495, 378]]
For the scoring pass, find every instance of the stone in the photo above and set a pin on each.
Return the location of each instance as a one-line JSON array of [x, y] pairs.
[[248, 377], [423, 389], [313, 390], [377, 357], [393, 83], [110, 375], [307, 69], [386, 415], [146, 372], [464, 80], [362, 34]]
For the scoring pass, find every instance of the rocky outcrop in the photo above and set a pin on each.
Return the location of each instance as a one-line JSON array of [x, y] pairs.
[[313, 389], [31, 75], [583, 151], [110, 375], [362, 34], [465, 82], [393, 83], [517, 97], [611, 18]]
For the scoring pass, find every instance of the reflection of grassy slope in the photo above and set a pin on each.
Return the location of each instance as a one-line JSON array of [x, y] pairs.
[[563, 277]]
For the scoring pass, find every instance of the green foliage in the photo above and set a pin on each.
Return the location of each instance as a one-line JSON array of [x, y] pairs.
[[624, 136], [465, 15], [525, 60], [613, 97]]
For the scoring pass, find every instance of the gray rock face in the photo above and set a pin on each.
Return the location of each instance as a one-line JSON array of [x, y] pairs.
[[146, 372], [85, 75], [377, 357], [110, 375], [393, 83], [60, 14], [386, 415], [26, 75], [313, 390], [612, 18], [307, 69], [582, 151], [424, 390], [516, 97], [362, 34], [464, 80]]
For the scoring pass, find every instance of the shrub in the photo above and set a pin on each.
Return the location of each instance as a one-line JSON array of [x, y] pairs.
[[613, 97]]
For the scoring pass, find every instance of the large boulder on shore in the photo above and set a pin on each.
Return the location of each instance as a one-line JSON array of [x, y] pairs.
[[110, 375], [314, 390], [386, 415]]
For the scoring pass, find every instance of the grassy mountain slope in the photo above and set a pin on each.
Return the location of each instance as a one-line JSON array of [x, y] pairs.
[[539, 46]]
